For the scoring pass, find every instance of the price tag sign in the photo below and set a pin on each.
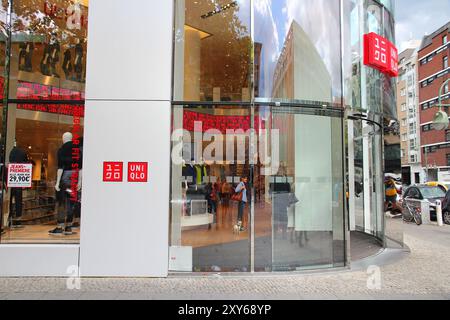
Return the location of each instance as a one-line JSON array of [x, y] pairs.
[[19, 175]]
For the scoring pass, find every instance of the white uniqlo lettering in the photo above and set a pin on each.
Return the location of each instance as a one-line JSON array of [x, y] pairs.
[[380, 52], [74, 19]]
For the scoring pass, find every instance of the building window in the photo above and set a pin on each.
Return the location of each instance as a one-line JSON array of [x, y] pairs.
[[444, 40], [50, 64], [404, 137], [403, 107], [445, 62], [403, 92], [413, 158], [410, 81], [426, 128], [447, 135], [402, 153], [446, 88], [404, 122], [412, 144]]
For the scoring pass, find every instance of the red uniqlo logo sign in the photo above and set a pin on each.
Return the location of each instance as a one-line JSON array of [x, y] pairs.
[[381, 54], [112, 171], [393, 67], [137, 172]]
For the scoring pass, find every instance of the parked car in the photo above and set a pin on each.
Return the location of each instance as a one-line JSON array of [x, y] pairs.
[[442, 185], [430, 193], [446, 208]]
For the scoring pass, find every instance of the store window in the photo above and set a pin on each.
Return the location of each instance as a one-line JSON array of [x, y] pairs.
[[295, 59], [294, 205], [212, 51], [44, 127]]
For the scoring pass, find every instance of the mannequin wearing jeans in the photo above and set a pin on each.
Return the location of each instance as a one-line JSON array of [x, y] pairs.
[[63, 187], [241, 205]]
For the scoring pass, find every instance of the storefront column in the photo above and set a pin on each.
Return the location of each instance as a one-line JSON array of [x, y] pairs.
[[192, 52]]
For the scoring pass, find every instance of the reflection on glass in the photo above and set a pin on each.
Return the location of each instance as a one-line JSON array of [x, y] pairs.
[[212, 50], [48, 62], [49, 44], [302, 197], [296, 60], [210, 155]]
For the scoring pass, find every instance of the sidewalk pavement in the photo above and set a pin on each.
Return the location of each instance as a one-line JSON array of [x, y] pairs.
[[422, 274]]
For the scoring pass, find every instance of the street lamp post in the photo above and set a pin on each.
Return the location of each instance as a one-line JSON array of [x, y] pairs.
[[440, 121]]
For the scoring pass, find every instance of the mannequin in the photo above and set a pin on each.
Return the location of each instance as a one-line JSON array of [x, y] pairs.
[[78, 62], [69, 171], [51, 57], [17, 155], [67, 63], [26, 56], [55, 52]]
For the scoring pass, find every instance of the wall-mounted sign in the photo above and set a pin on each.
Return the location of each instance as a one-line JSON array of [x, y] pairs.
[[112, 171], [20, 175], [380, 54], [137, 172]]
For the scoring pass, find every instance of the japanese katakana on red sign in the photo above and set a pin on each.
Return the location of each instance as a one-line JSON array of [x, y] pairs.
[[137, 172], [112, 171], [381, 54]]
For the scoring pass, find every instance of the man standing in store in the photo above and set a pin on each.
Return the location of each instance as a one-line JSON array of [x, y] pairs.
[[241, 192]]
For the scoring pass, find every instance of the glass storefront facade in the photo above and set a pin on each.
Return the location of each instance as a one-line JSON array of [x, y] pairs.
[[279, 133], [262, 93], [43, 86]]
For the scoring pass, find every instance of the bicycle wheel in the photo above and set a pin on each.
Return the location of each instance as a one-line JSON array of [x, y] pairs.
[[417, 218]]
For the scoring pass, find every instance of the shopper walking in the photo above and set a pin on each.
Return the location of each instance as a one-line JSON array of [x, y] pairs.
[[241, 197]]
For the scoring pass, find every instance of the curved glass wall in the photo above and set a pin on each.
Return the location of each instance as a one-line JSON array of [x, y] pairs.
[[232, 61], [369, 91]]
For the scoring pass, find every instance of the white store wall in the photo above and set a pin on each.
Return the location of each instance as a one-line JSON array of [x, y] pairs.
[[125, 225], [124, 229]]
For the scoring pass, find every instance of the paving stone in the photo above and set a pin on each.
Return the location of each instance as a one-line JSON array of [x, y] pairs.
[[422, 274]]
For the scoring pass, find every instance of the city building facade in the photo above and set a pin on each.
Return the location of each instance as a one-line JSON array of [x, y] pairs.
[[433, 71], [145, 138], [408, 115]]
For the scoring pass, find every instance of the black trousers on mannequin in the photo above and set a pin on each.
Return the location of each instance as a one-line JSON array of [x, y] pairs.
[[65, 204], [16, 194]]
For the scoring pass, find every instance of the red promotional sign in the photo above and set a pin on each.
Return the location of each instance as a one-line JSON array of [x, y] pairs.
[[137, 172], [218, 122], [112, 171], [380, 54]]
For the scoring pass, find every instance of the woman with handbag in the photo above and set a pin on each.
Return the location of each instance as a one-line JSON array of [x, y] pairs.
[[241, 196]]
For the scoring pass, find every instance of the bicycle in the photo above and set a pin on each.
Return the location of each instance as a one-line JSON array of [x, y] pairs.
[[414, 214]]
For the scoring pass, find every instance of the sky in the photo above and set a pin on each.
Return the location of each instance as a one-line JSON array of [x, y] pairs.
[[415, 18]]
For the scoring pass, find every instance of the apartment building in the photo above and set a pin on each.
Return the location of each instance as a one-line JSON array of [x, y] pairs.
[[408, 111], [434, 70]]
